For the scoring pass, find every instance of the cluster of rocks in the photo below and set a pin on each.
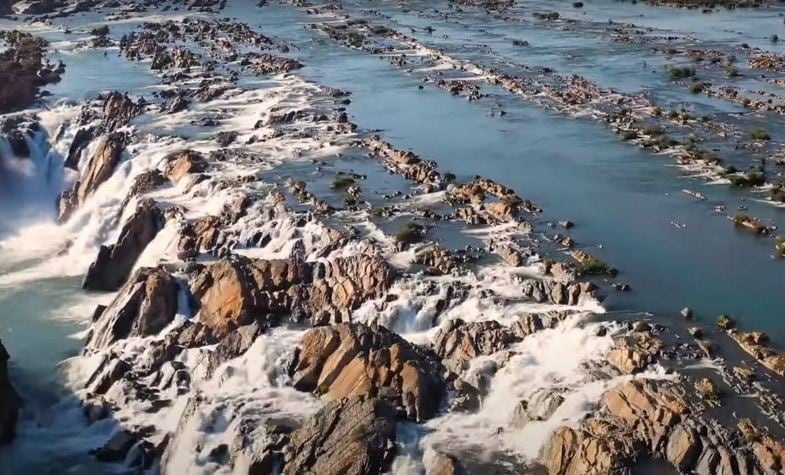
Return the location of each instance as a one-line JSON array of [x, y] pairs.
[[9, 401], [24, 69]]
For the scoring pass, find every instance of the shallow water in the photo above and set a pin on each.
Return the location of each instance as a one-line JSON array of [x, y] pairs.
[[624, 200]]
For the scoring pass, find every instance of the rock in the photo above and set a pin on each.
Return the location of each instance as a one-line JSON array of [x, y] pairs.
[[445, 465], [457, 342], [769, 452], [358, 360], [9, 401], [725, 322], [183, 163], [118, 110], [177, 104], [684, 447], [342, 284], [539, 407], [144, 306], [352, 436], [438, 259], [509, 254], [502, 211], [114, 263], [707, 391], [686, 312], [269, 64], [101, 165], [696, 332], [238, 291], [81, 140], [117, 447]]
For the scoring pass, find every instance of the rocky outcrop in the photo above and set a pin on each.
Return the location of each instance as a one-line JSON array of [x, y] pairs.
[[23, 70], [9, 401], [238, 291], [114, 263], [457, 343], [145, 305], [359, 360], [118, 110], [352, 436], [183, 163], [407, 163], [340, 285], [101, 165], [755, 343], [653, 419], [551, 291], [632, 354]]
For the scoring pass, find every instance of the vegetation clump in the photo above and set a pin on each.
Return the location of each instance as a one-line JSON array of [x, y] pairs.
[[410, 233], [684, 72], [759, 134]]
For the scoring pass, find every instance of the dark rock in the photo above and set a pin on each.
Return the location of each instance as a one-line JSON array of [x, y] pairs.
[[115, 262]]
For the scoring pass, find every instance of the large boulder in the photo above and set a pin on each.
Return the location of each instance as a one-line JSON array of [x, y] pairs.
[[359, 360], [353, 436], [9, 401], [238, 291], [342, 284], [115, 262], [145, 305]]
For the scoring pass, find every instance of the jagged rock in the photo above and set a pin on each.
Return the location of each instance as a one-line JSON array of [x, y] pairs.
[[533, 322], [144, 306], [754, 344], [184, 162], [547, 291], [509, 253], [238, 291], [81, 140], [684, 447], [437, 259], [177, 104], [770, 452], [561, 272], [502, 211], [342, 284], [9, 401], [118, 110], [101, 165], [115, 262], [634, 353], [359, 360], [117, 447], [269, 64], [198, 236], [146, 182], [457, 343], [352, 436]]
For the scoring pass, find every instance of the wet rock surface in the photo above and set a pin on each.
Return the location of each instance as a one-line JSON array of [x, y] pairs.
[[10, 403], [358, 360]]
